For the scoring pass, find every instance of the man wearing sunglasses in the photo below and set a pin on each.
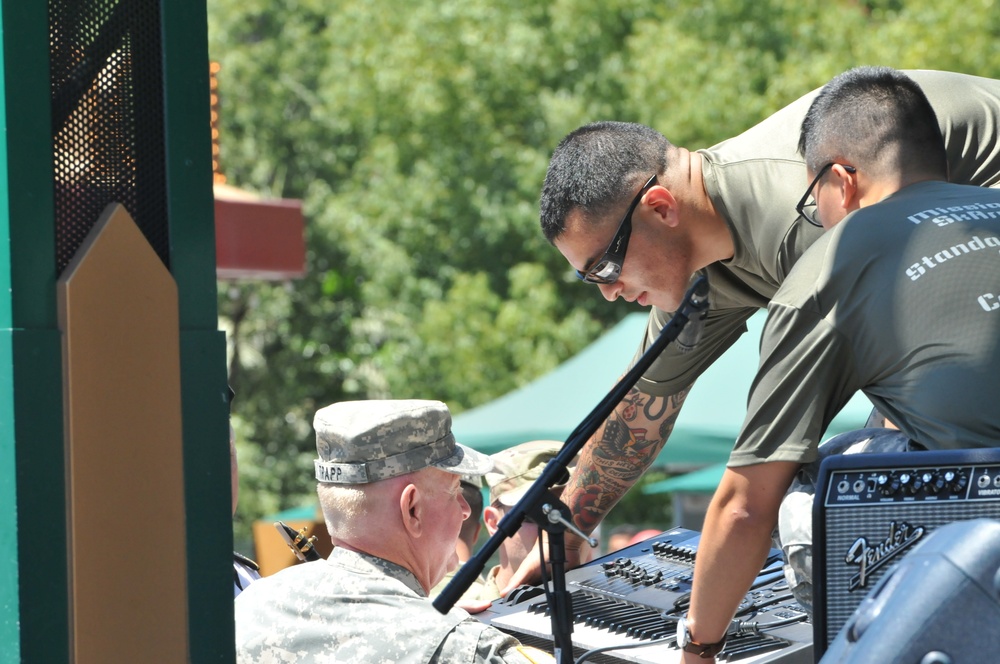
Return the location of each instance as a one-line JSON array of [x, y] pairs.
[[638, 216], [896, 301]]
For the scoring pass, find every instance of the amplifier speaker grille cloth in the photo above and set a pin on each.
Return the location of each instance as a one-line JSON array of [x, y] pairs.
[[843, 526]]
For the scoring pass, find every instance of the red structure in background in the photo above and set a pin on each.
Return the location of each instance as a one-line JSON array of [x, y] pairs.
[[257, 239], [254, 238]]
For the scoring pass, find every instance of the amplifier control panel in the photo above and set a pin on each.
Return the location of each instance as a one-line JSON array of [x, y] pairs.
[[913, 484]]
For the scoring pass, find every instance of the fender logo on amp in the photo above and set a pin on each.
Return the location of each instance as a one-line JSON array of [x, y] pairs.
[[870, 558]]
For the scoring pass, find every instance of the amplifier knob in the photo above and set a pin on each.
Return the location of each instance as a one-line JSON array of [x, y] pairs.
[[956, 480], [933, 482], [888, 484]]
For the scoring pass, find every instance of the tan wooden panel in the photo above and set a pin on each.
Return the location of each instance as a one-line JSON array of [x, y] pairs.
[[125, 478]]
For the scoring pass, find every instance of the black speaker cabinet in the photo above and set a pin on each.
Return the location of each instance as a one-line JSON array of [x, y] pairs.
[[872, 509], [938, 605]]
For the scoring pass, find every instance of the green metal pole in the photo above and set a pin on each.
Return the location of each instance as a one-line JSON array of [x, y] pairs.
[[33, 591], [203, 346]]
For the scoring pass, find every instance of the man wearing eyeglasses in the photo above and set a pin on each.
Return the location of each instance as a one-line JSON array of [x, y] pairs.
[[894, 301], [638, 216]]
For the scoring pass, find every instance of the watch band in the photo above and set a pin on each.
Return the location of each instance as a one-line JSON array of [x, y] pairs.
[[705, 650]]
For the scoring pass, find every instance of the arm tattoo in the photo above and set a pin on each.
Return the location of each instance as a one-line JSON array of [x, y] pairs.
[[614, 459]]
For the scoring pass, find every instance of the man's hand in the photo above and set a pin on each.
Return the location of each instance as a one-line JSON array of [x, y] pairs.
[[473, 605], [735, 541]]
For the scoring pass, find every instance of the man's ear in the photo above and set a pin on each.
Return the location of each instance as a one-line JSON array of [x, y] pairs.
[[663, 203], [491, 518], [411, 510], [850, 198]]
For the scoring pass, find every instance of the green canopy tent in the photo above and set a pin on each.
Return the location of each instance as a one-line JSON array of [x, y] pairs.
[[704, 480], [552, 406]]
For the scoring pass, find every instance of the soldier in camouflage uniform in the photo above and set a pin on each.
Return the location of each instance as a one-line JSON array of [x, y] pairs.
[[388, 475], [514, 471]]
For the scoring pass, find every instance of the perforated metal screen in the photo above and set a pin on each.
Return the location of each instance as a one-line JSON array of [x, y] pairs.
[[107, 118]]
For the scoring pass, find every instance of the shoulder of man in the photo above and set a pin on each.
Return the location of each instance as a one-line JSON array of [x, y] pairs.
[[477, 642]]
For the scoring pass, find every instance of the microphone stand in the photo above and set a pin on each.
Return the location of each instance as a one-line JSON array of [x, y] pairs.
[[542, 507]]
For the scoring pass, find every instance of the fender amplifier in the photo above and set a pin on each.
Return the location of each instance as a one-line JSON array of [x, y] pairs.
[[871, 509], [938, 605]]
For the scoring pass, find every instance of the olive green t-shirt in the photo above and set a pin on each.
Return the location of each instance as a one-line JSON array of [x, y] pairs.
[[900, 300], [754, 181]]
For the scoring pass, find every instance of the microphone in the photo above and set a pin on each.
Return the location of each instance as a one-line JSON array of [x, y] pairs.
[[691, 333]]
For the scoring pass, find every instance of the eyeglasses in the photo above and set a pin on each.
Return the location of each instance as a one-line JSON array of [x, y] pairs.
[[609, 268], [807, 209]]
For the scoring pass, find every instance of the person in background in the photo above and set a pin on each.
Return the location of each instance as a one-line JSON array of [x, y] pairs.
[[514, 471], [472, 489], [388, 483], [644, 535], [621, 537]]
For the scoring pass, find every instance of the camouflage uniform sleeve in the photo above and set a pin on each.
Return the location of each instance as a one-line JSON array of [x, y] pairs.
[[473, 642]]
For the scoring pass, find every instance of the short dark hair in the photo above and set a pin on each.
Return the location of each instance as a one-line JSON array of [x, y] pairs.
[[877, 118], [596, 168]]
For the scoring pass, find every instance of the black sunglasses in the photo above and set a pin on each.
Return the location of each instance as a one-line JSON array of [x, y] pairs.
[[609, 268], [807, 209]]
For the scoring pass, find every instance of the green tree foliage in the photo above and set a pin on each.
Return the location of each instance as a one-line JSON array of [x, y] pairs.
[[417, 136]]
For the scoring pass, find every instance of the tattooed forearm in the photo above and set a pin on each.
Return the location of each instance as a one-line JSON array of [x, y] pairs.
[[667, 425], [617, 456], [655, 408]]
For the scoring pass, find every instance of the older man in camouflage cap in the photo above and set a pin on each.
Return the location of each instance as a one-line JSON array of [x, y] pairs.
[[514, 471], [388, 475]]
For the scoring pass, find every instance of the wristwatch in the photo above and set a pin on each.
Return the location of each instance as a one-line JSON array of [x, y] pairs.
[[703, 650]]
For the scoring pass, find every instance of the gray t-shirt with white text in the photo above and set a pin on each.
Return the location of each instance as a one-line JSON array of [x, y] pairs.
[[900, 300]]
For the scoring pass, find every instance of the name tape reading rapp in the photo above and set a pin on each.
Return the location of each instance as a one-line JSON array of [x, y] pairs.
[[341, 473], [942, 216]]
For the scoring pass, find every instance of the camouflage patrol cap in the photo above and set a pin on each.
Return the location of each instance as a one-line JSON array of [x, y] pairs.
[[366, 441], [515, 470]]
